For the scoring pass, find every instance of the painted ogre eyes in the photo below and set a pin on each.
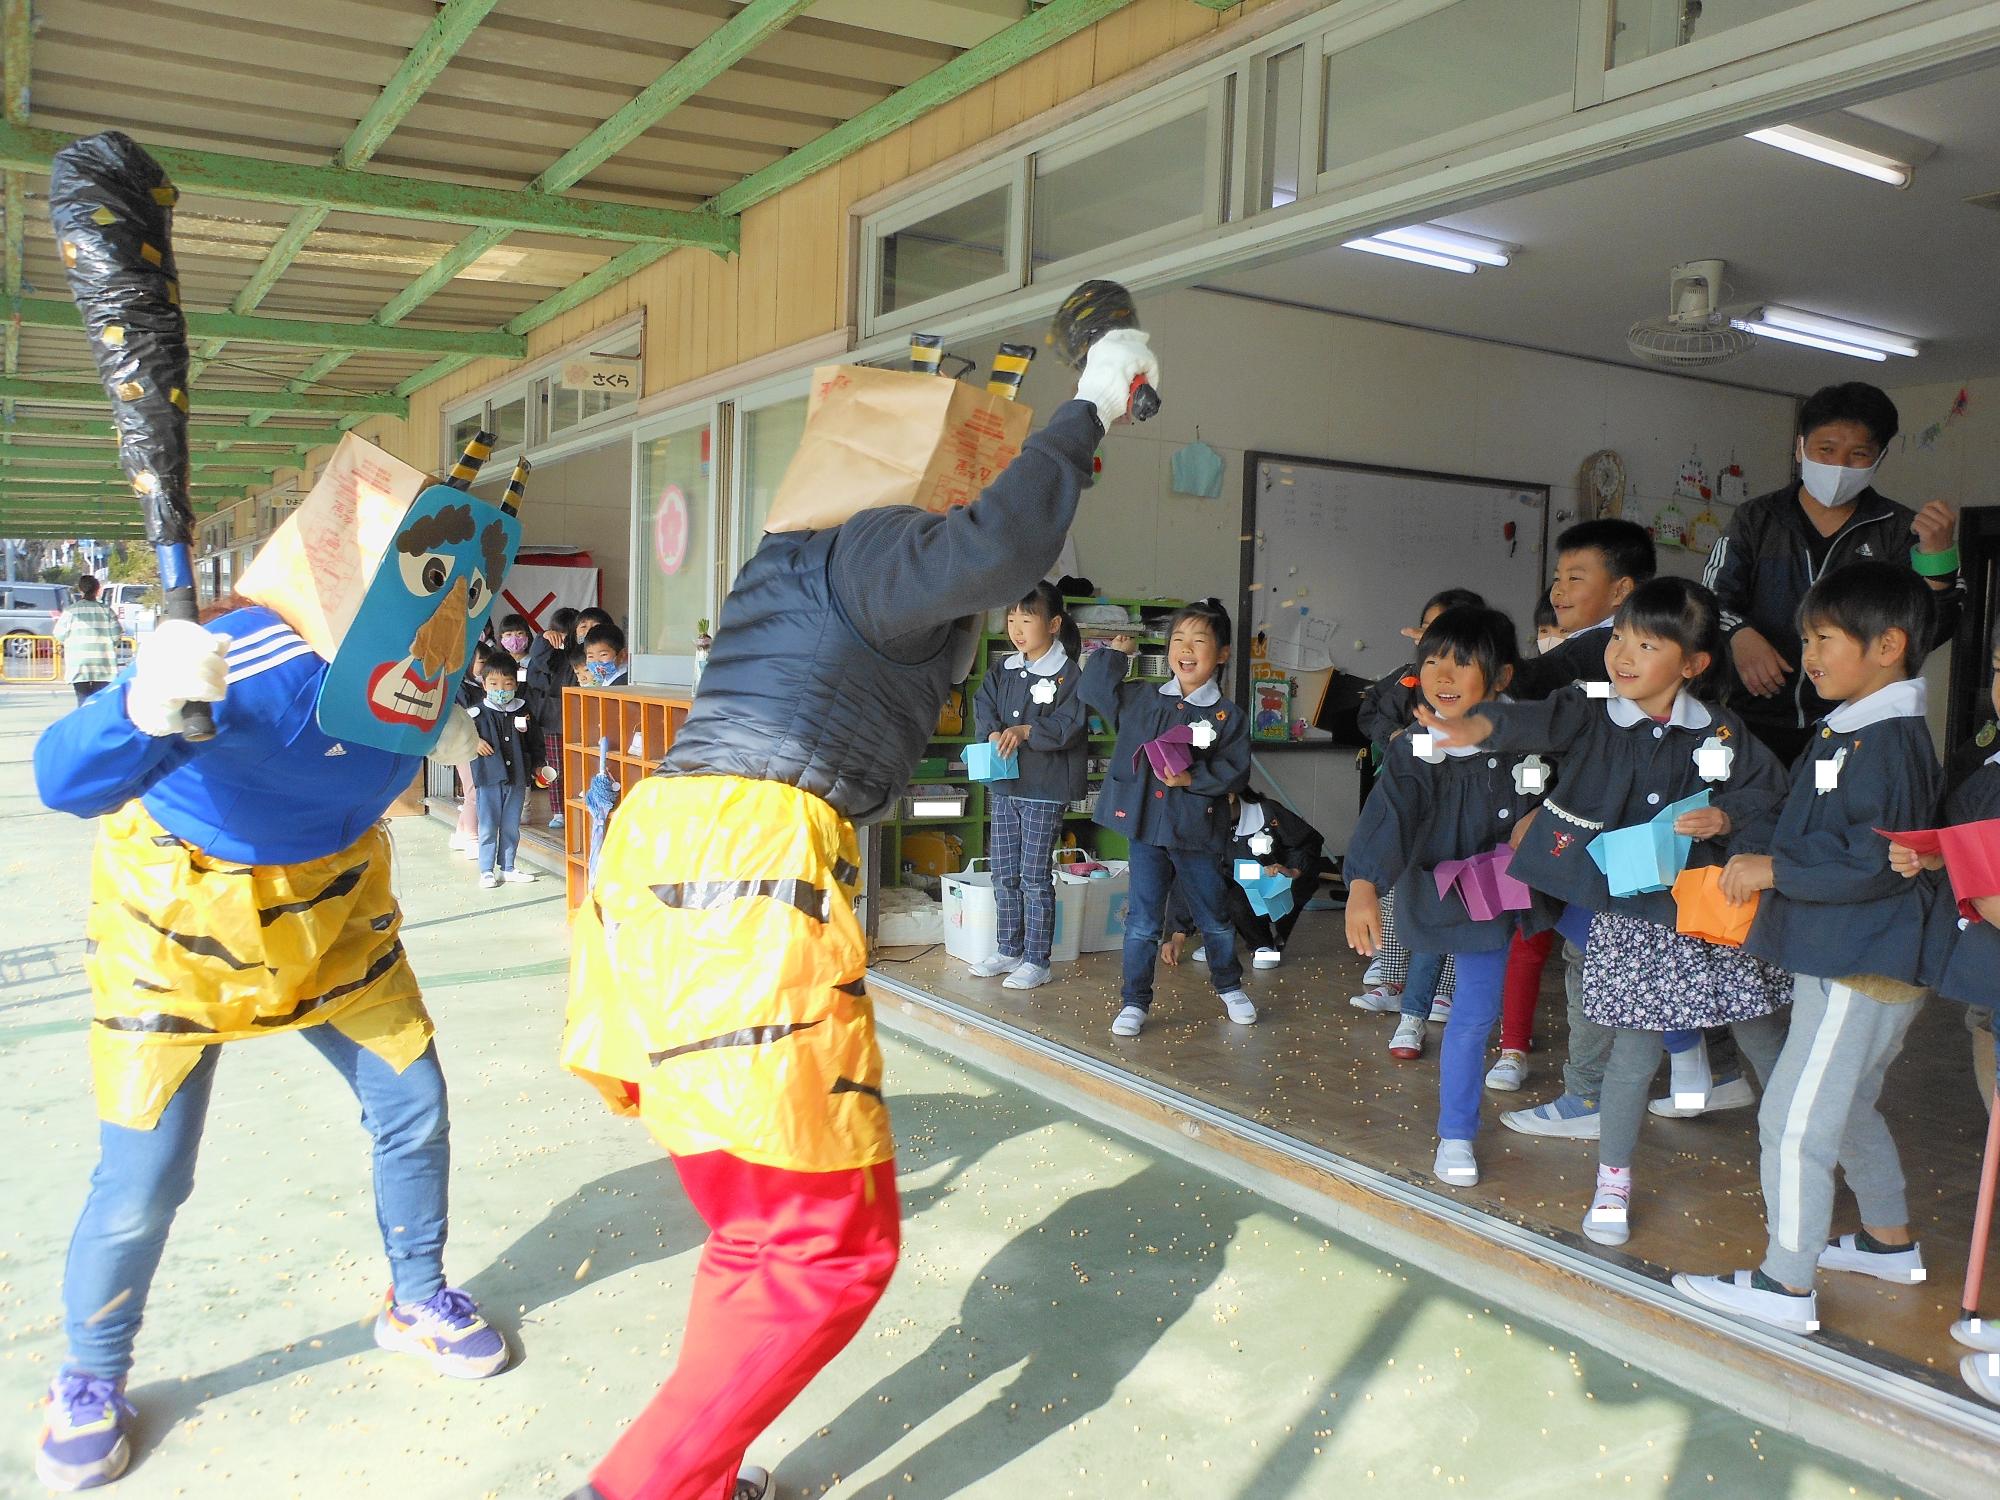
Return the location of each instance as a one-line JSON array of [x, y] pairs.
[[426, 572], [475, 592]]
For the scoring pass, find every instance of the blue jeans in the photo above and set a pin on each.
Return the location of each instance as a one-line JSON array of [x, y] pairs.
[[500, 809], [1475, 1010], [144, 1176], [1420, 986], [1204, 878]]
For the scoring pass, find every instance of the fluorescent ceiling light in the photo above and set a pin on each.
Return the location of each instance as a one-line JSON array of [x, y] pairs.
[[1411, 253], [1837, 329], [1809, 340], [1450, 242], [1819, 147]]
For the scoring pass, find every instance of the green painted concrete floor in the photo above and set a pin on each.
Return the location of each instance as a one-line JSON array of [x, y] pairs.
[[1075, 1315]]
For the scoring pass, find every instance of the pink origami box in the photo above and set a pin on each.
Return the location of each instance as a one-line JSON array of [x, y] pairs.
[[1171, 754], [1484, 884]]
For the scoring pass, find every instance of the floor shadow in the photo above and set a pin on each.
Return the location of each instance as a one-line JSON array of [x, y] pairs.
[[1076, 1301]]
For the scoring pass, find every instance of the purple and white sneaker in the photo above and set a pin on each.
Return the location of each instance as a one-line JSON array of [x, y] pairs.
[[446, 1330], [83, 1442]]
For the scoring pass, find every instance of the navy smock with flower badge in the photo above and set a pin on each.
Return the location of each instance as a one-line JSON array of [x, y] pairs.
[[1132, 801], [1042, 694]]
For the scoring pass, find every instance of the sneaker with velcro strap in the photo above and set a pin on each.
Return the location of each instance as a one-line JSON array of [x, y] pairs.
[[1857, 1252], [1753, 1296], [444, 1330]]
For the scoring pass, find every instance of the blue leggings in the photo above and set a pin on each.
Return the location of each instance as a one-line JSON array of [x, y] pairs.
[[1475, 1011]]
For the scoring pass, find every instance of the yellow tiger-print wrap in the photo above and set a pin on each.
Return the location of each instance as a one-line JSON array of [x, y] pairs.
[[718, 977], [188, 951]]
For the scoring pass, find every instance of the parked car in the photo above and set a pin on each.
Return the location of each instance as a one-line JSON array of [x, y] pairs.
[[30, 609], [137, 605]]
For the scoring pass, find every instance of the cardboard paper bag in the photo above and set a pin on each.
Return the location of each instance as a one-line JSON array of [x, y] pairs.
[[1701, 910], [890, 437]]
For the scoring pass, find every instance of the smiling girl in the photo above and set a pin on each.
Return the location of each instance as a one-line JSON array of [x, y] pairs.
[[1650, 742], [1178, 824]]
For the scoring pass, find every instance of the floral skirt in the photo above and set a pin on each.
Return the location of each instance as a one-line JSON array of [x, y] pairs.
[[1644, 977]]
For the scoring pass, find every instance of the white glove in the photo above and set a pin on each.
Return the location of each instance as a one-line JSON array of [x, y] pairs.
[[178, 663], [1114, 362], [460, 740]]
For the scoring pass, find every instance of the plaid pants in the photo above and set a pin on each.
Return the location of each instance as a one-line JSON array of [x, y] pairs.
[[1024, 894]]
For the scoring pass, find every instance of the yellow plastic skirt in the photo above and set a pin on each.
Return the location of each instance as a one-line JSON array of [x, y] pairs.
[[717, 979], [188, 951]]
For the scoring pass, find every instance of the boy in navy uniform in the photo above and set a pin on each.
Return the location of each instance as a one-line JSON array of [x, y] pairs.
[[509, 756], [1283, 843], [1851, 928]]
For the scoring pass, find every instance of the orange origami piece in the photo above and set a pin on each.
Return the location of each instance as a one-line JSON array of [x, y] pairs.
[[1702, 911]]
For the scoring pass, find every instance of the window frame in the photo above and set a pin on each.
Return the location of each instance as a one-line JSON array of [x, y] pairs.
[[670, 669], [1013, 177]]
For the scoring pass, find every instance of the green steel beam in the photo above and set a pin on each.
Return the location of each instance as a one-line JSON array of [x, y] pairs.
[[200, 434], [426, 200], [51, 453], [1055, 22], [717, 52], [81, 393], [449, 30], [47, 312]]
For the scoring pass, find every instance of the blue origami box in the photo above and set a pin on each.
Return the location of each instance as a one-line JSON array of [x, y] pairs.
[[1646, 856], [984, 763], [1270, 895]]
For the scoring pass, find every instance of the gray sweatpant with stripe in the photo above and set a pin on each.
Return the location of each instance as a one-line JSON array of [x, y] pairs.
[[1820, 1108]]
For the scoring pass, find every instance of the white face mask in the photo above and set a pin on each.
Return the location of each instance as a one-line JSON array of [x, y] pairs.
[[1834, 485]]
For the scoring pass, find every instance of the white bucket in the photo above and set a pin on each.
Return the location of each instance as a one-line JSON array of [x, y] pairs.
[[971, 921], [1104, 901]]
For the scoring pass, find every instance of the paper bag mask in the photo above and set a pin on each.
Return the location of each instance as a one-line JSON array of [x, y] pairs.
[[1971, 858], [1170, 754], [983, 762], [890, 437], [1701, 910], [390, 582], [1484, 883], [1646, 856]]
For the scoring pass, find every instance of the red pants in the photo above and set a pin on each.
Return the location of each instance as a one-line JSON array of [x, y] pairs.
[[794, 1263], [1521, 991]]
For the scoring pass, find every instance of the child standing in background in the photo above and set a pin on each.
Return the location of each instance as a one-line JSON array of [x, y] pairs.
[[1432, 805], [1651, 744], [1028, 708], [510, 753], [1177, 825], [471, 689], [1851, 928], [604, 655]]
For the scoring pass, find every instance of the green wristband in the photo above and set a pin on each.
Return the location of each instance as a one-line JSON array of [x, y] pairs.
[[1935, 564]]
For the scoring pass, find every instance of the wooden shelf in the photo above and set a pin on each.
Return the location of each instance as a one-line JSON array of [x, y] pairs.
[[616, 714]]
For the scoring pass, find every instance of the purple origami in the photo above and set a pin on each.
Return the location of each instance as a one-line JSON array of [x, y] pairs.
[[1171, 754], [1484, 883]]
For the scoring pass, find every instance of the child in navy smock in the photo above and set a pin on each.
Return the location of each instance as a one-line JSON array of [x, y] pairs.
[[1414, 984], [1178, 825], [1646, 741], [1851, 928], [1280, 842], [510, 754], [1028, 707], [1431, 805]]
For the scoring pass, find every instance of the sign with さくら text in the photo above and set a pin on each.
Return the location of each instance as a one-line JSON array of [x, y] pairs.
[[612, 377]]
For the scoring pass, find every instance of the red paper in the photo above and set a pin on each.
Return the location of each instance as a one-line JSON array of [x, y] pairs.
[[1971, 858]]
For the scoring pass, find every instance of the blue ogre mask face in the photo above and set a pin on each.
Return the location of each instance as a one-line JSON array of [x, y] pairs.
[[392, 679]]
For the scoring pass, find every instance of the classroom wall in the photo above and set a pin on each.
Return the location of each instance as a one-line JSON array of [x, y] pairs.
[[1256, 376], [585, 500]]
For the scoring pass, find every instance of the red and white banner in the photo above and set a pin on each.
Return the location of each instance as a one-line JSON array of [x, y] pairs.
[[536, 590]]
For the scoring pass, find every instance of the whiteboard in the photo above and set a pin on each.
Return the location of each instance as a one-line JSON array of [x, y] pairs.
[[1337, 558]]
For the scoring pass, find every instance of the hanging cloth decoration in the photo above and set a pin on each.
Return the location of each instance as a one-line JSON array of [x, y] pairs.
[[1197, 470]]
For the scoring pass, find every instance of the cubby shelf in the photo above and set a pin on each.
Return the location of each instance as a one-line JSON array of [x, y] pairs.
[[619, 714]]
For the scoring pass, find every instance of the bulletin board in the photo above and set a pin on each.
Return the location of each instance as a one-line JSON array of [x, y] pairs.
[[1338, 557]]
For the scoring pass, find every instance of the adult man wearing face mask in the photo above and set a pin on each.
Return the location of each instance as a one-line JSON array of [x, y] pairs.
[[1778, 545]]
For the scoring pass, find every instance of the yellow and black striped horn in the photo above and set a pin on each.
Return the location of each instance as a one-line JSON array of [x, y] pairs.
[[471, 461], [926, 352], [517, 487], [1009, 366]]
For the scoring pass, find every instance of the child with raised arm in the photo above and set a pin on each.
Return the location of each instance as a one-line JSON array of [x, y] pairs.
[[1177, 823]]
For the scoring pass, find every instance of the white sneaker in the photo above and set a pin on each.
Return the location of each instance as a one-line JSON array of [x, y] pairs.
[[1200, 956], [1982, 1373], [1131, 1021], [1440, 1010], [752, 1483], [1455, 1165], [1982, 1334], [472, 850], [1027, 977], [1408, 1042], [1372, 975], [1507, 1075], [1564, 1118], [519, 877], [1241, 1011], [1735, 1094], [999, 963], [1609, 1220], [1734, 1294], [1266, 958], [459, 843], [1689, 1077], [1383, 997], [1905, 1264], [489, 880]]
